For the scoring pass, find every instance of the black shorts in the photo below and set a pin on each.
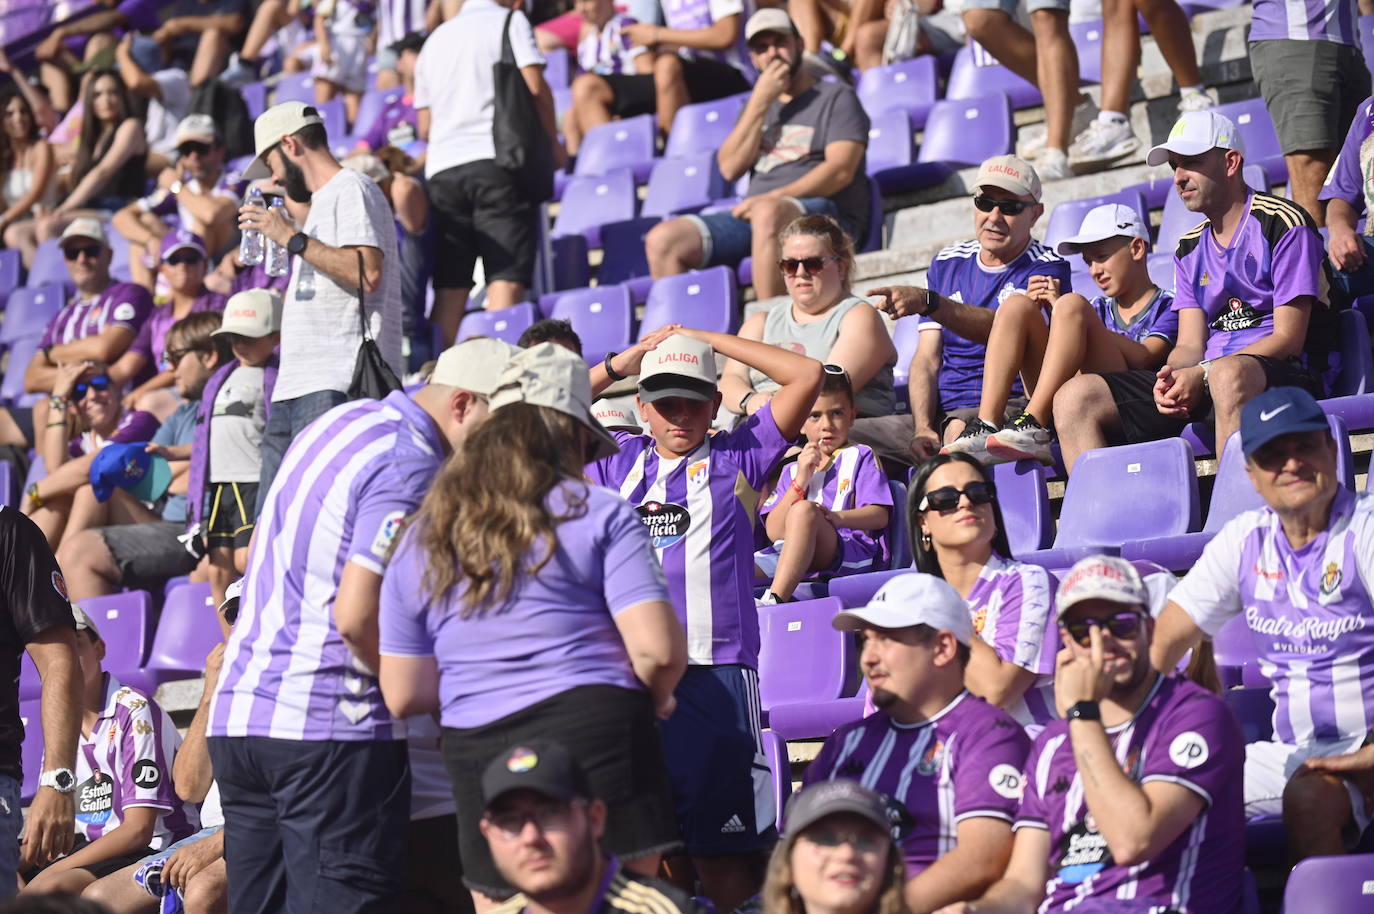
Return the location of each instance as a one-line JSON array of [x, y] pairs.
[[148, 554], [612, 733], [632, 93], [231, 515], [1134, 394], [99, 869], [708, 79], [480, 211]]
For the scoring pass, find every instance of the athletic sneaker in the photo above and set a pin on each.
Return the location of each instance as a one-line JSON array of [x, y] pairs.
[[1103, 143], [239, 73], [1083, 114], [1023, 439], [972, 440], [1053, 165], [1195, 101]]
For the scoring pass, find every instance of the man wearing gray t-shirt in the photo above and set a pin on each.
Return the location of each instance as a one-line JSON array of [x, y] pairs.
[[320, 329]]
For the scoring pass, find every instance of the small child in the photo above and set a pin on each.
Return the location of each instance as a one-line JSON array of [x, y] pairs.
[[226, 459], [341, 51], [830, 509]]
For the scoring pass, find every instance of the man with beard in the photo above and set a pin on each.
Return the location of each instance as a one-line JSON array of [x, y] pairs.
[[802, 141], [952, 760], [320, 328], [1132, 802], [543, 827]]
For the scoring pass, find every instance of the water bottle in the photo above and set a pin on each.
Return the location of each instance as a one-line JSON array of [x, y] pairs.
[[278, 260], [251, 243]]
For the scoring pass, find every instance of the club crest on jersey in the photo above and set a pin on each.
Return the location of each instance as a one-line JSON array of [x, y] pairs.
[[696, 472], [667, 522], [1007, 291], [1331, 579], [843, 486], [980, 619], [930, 762], [59, 584]]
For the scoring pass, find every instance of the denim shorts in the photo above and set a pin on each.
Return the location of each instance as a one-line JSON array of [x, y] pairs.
[[171, 849], [727, 240]]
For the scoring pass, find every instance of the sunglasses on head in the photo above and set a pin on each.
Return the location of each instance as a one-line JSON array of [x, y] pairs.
[[812, 265], [1008, 207], [946, 498], [191, 147], [1121, 625], [100, 382], [92, 252], [185, 258]]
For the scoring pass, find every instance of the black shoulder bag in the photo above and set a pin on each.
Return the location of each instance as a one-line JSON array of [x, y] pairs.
[[372, 376], [522, 146]]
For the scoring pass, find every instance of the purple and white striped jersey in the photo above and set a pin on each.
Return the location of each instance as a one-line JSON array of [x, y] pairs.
[[608, 50], [343, 493], [160, 202], [1305, 20], [853, 480], [700, 511], [121, 304], [127, 762], [962, 763], [1308, 609], [1011, 604], [1184, 735]]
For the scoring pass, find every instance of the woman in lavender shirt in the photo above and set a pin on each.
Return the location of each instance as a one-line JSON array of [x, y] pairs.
[[525, 602]]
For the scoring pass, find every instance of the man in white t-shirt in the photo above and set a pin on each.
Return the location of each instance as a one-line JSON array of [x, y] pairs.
[[320, 328], [167, 89], [479, 208]]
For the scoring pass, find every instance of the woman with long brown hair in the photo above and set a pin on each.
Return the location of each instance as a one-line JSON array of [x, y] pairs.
[[27, 170]]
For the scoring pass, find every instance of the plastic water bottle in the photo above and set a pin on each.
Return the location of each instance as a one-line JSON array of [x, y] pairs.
[[251, 242], [278, 260]]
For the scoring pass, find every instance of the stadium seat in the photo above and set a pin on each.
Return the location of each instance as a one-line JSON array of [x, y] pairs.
[[898, 536], [557, 71], [254, 98], [775, 751], [802, 658], [1357, 360], [592, 200], [119, 257], [506, 324], [909, 86], [1254, 711], [1067, 217], [49, 266], [1156, 473], [1087, 39], [11, 266], [1023, 498], [904, 336], [30, 684], [1237, 655], [20, 354], [602, 316], [977, 73], [683, 185], [961, 133], [125, 621], [30, 715], [620, 144], [1331, 885], [813, 721], [1357, 412], [1257, 134], [701, 299], [702, 127], [855, 590], [371, 108], [1161, 268], [622, 252], [335, 119], [186, 631], [295, 87]]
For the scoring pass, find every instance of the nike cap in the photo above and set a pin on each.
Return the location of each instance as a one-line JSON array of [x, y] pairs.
[[1279, 411]]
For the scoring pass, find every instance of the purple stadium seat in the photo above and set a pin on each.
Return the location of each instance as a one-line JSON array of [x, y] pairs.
[[335, 121], [21, 353], [1331, 885], [619, 144], [30, 684], [622, 253], [119, 257], [1161, 269], [898, 536], [186, 632], [1357, 360], [908, 85], [506, 324], [602, 316], [701, 299], [963, 132], [891, 158], [11, 265], [1087, 38], [49, 266], [1067, 217], [557, 71], [591, 200], [976, 72], [855, 590], [802, 658], [1024, 501], [295, 87], [1156, 473], [1257, 134], [255, 98], [816, 720], [371, 107], [30, 715], [683, 185], [125, 621], [1357, 412], [904, 337], [1235, 650], [702, 127], [1254, 710], [775, 750]]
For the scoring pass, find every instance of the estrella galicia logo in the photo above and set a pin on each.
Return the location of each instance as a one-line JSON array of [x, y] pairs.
[[667, 522]]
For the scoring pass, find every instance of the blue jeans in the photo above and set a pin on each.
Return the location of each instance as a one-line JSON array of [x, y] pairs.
[[1361, 281], [11, 820], [286, 420], [727, 240]]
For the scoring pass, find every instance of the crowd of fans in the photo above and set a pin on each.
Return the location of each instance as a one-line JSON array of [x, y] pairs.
[[491, 639]]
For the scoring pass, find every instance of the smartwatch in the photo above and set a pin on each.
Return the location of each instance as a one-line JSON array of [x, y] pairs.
[[1084, 710], [60, 779], [932, 302], [297, 243]]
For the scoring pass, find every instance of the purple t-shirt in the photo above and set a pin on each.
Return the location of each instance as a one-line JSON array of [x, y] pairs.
[[1352, 177], [151, 341], [1184, 735], [121, 304], [609, 50], [1311, 20], [344, 490], [957, 274], [700, 510], [1012, 603], [556, 632], [135, 425], [1274, 257], [396, 125], [853, 480], [256, 277], [964, 762], [1158, 318]]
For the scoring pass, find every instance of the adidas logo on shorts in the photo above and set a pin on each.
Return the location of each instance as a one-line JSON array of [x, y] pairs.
[[734, 826]]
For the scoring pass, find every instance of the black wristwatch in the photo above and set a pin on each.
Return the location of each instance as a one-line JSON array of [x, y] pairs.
[[1084, 710], [297, 243], [932, 302], [610, 370]]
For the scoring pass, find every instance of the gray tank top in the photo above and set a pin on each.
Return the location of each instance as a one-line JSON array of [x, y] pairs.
[[816, 339]]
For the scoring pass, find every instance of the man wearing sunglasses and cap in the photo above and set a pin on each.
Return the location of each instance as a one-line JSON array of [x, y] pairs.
[[1134, 798], [1300, 569], [966, 284], [949, 758]]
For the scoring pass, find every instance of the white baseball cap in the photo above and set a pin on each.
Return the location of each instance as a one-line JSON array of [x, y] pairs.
[[1196, 132], [912, 599], [615, 414], [369, 165], [83, 620], [1101, 577], [268, 130], [554, 377], [198, 128], [769, 19], [1009, 173], [474, 365], [253, 313], [678, 367], [85, 227], [1110, 220]]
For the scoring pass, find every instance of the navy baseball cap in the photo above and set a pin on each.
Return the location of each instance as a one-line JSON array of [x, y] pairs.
[[1279, 411], [541, 765], [129, 466]]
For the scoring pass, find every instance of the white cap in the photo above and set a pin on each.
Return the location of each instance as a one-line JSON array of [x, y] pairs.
[[473, 365], [232, 594], [1009, 173], [769, 19], [369, 165], [268, 130], [1101, 577], [615, 414], [83, 620], [1196, 132], [1110, 220], [85, 227], [253, 313], [554, 377], [678, 367], [912, 599], [197, 128]]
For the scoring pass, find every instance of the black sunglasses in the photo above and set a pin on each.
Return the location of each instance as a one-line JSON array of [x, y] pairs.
[[813, 265], [192, 147], [1121, 625], [834, 369], [100, 382], [1008, 207], [172, 357], [92, 251], [185, 258], [946, 498]]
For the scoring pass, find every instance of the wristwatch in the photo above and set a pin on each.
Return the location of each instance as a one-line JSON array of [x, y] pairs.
[[1205, 365], [1084, 710], [932, 302], [297, 243], [60, 779], [175, 187]]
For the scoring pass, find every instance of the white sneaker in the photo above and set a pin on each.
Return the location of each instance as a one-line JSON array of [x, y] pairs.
[[1195, 101], [973, 440], [1103, 143], [1083, 114], [1022, 439], [1053, 165]]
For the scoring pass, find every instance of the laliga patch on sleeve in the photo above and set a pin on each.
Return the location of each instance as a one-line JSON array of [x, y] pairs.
[[1189, 749], [384, 543], [124, 312], [1006, 781]]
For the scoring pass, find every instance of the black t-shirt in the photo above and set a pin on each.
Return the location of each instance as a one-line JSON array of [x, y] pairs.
[[33, 599]]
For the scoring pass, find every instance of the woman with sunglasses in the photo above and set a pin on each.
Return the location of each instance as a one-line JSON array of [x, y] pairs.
[[27, 169], [823, 320], [84, 415], [957, 534]]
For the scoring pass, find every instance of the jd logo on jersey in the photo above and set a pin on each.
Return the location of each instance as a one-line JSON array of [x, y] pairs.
[[667, 522]]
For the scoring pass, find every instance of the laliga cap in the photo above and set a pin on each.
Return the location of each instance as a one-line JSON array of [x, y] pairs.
[[86, 227], [1009, 173], [1101, 577], [1196, 132], [830, 798], [1110, 220], [912, 599], [616, 414], [540, 765], [252, 313], [268, 130], [552, 376], [1278, 411], [678, 367]]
